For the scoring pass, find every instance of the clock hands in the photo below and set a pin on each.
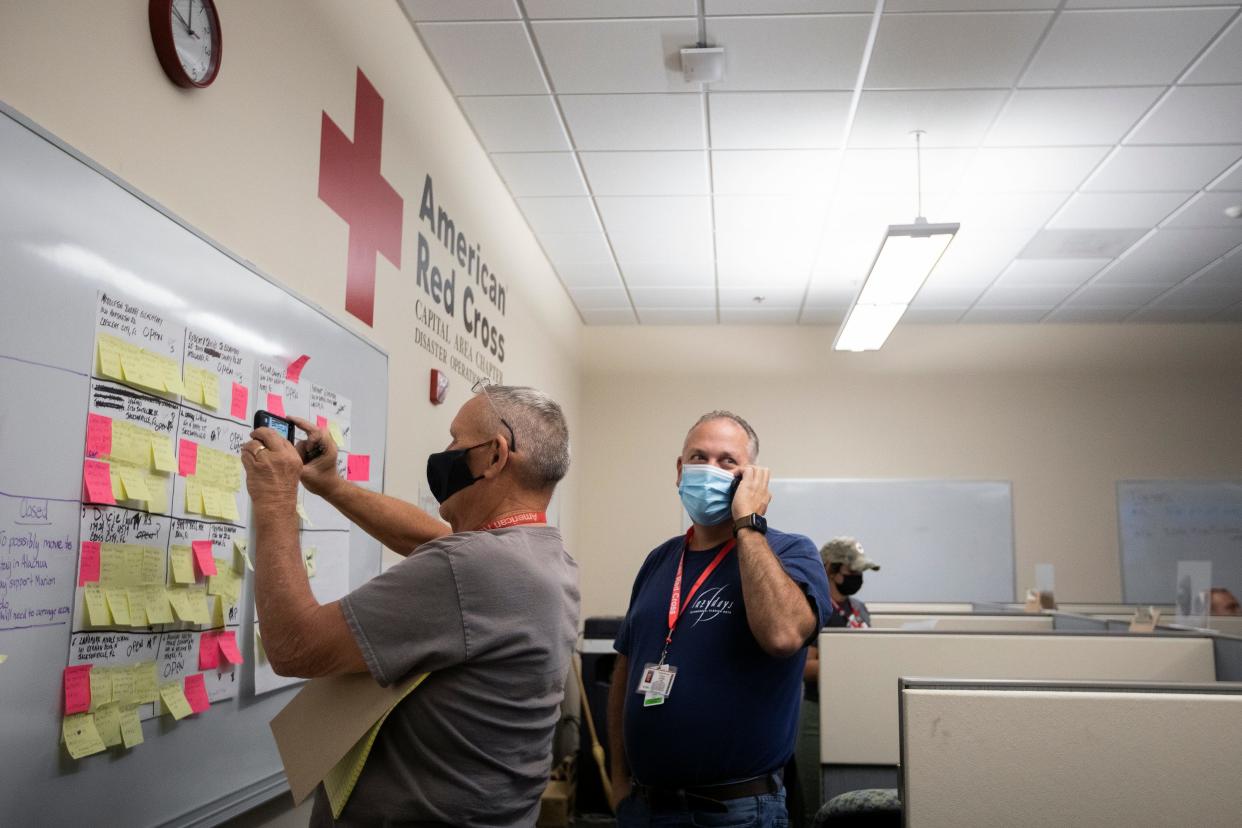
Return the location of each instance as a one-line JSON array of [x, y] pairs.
[[190, 31]]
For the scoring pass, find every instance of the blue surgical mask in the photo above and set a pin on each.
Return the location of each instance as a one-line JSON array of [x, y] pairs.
[[707, 493]]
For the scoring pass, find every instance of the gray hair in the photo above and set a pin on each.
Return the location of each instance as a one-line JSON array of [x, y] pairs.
[[539, 428], [721, 414]]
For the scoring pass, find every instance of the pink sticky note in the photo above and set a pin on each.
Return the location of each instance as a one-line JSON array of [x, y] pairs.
[[98, 435], [275, 404], [196, 693], [78, 689], [294, 371], [97, 479], [359, 467], [202, 556], [321, 421], [187, 458], [208, 651], [89, 572], [241, 395], [228, 646]]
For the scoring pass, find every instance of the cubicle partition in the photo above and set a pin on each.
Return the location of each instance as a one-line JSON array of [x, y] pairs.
[[1039, 753], [962, 622]]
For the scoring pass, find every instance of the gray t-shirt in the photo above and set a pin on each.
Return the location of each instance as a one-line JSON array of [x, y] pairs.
[[493, 616]]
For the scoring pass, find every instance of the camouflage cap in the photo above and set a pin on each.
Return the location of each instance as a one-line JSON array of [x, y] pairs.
[[848, 552]]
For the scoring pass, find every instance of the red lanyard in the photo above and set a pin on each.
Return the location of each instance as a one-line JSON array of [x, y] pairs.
[[675, 606], [520, 519]]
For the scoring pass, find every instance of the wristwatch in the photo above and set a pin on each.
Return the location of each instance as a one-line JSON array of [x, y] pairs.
[[757, 522]]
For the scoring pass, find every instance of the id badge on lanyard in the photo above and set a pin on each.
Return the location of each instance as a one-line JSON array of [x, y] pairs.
[[656, 682]]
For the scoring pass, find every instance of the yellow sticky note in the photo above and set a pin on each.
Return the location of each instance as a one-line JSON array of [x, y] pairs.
[[200, 613], [180, 600], [109, 364], [123, 690], [225, 583], [137, 606], [101, 686], [228, 501], [158, 609], [217, 611], [337, 436], [141, 371], [194, 496], [241, 555], [171, 377], [118, 605], [134, 557], [182, 561], [81, 735], [152, 565], [111, 565], [213, 502], [308, 557], [135, 485], [175, 701], [131, 727], [108, 723], [96, 606], [146, 685], [162, 454], [211, 390], [303, 515]]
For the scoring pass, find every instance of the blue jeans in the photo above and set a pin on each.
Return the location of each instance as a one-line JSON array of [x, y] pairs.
[[764, 811]]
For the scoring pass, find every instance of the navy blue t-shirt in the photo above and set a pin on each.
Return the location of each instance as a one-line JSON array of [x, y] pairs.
[[733, 710]]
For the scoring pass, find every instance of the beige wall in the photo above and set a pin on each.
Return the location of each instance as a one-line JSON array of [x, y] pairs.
[[1062, 411], [240, 162]]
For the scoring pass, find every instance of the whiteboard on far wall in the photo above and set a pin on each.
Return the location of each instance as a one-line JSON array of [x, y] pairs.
[[1166, 521], [935, 540]]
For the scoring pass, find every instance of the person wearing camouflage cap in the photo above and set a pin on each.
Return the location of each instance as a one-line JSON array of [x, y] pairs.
[[846, 563]]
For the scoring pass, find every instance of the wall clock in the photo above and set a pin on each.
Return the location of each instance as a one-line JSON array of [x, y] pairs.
[[186, 34]]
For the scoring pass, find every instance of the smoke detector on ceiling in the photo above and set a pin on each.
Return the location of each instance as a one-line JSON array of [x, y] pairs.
[[702, 64]]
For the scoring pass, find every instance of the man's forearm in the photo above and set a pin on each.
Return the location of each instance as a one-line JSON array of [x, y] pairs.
[[777, 610], [283, 596], [401, 526]]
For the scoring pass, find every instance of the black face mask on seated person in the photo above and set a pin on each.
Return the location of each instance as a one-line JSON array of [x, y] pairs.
[[850, 585], [448, 472]]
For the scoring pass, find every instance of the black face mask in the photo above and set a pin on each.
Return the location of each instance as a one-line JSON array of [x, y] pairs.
[[448, 472], [850, 585]]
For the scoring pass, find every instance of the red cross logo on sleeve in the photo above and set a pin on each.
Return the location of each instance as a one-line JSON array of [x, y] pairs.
[[350, 183]]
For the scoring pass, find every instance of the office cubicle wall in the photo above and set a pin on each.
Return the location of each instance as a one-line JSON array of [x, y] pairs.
[[1078, 753], [932, 607], [961, 622]]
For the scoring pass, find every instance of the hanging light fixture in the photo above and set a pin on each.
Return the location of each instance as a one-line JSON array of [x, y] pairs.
[[906, 258]]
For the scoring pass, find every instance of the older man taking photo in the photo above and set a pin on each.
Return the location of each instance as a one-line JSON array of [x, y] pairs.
[[703, 707], [490, 610]]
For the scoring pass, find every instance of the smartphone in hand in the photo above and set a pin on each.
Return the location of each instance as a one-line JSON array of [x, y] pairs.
[[265, 419]]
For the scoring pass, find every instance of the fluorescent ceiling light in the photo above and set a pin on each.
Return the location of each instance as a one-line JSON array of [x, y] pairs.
[[907, 257]]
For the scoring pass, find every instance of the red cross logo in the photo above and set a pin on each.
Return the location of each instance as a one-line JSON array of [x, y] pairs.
[[350, 183]]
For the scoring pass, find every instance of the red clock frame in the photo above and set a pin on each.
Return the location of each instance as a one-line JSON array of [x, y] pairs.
[[159, 15]]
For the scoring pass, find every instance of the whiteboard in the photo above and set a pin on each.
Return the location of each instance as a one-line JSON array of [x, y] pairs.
[[1166, 521], [81, 255], [935, 540]]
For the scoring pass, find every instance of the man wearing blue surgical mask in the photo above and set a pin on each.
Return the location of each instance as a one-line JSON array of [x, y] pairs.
[[489, 609], [703, 706]]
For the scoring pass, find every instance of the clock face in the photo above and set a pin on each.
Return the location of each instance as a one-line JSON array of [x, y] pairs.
[[194, 31]]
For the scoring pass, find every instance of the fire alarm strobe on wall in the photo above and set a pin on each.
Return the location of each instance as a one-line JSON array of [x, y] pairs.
[[439, 386], [703, 64]]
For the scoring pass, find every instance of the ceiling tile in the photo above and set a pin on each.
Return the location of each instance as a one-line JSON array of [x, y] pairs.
[[846, 255], [1134, 4], [561, 214], [1031, 169], [767, 240], [671, 173], [758, 316], [1114, 296], [1231, 180], [1159, 169], [568, 249], [976, 256], [932, 316], [677, 316], [1194, 115], [616, 55], [1171, 255], [632, 247], [635, 122], [1001, 210], [420, 10], [896, 171], [1225, 273], [1005, 316], [1071, 272], [609, 8], [1074, 315], [484, 58], [615, 316], [1233, 314], [773, 297], [1208, 210], [1195, 294], [674, 297], [1115, 48], [947, 296], [540, 173], [867, 215], [768, 218], [725, 7], [1090, 243], [1070, 117], [642, 273], [594, 274], [772, 172], [600, 298], [1223, 62], [527, 123], [668, 215], [822, 316], [1173, 315], [1024, 296], [967, 5], [830, 295], [953, 51], [778, 120], [772, 53], [949, 118], [1117, 210]]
